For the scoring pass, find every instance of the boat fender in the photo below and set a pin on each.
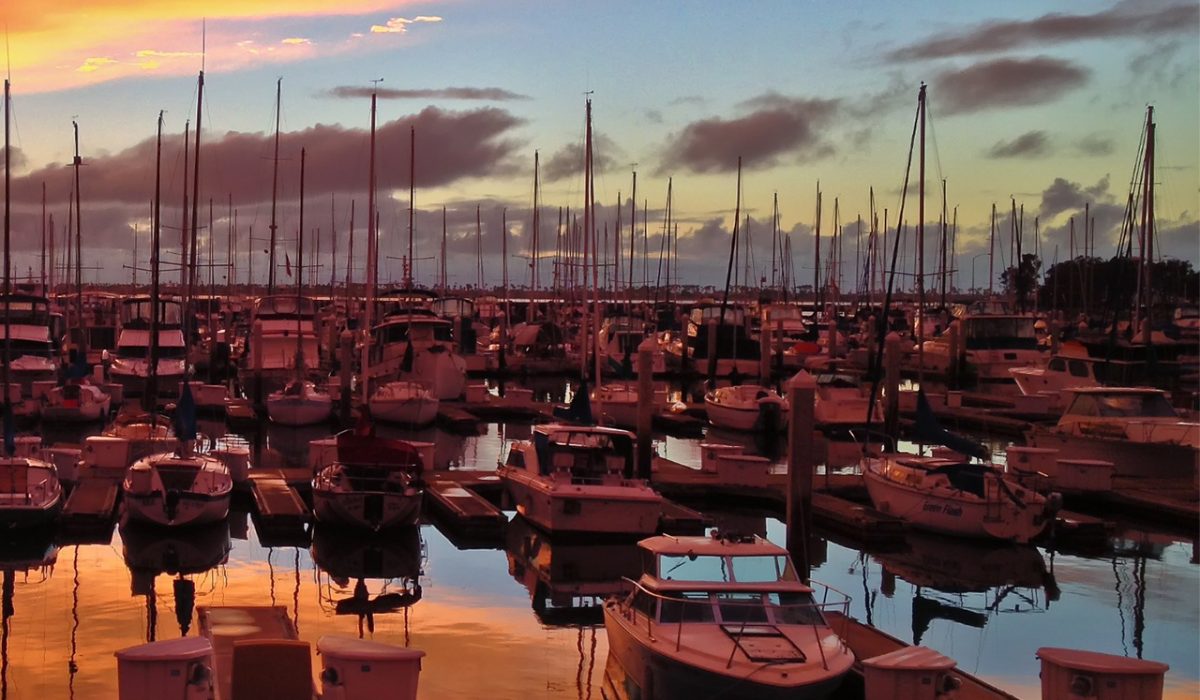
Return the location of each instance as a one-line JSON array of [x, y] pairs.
[[1054, 502], [330, 677]]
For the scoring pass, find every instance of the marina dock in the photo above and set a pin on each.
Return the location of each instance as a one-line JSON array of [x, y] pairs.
[[225, 625], [280, 514]]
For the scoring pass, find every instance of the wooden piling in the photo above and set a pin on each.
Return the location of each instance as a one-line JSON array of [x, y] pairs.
[[645, 406], [345, 373], [764, 355], [891, 382], [955, 368], [801, 392], [712, 347], [257, 349]]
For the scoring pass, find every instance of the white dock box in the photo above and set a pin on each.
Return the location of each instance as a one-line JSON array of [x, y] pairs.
[[106, 452], [175, 668], [911, 673], [711, 453], [354, 669], [1090, 475], [321, 453], [1072, 674], [1030, 460]]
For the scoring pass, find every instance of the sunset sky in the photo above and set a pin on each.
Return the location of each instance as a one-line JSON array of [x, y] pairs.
[[1040, 101]]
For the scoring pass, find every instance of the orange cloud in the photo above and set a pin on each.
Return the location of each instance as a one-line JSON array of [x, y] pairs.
[[399, 25], [99, 40]]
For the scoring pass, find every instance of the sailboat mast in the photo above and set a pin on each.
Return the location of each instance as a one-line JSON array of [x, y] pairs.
[[537, 221], [7, 262], [1147, 228], [75, 163], [817, 255], [371, 260], [412, 193], [300, 275], [150, 395], [189, 317], [275, 184], [921, 247], [584, 328]]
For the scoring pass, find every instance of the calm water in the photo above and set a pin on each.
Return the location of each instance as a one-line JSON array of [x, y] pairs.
[[518, 622]]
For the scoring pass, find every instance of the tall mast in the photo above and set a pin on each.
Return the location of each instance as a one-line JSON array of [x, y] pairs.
[[189, 316], [75, 163], [350, 251], [537, 222], [183, 214], [275, 182], [442, 270], [733, 241], [300, 275], [584, 329], [150, 395], [412, 193], [992, 253], [817, 255], [45, 289], [372, 272], [334, 246], [7, 269], [921, 247], [945, 241]]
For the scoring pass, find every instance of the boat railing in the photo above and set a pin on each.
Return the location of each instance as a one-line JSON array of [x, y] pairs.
[[751, 617]]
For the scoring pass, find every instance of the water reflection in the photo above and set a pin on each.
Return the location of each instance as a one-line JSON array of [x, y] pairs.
[[368, 574], [29, 555], [567, 580], [185, 554]]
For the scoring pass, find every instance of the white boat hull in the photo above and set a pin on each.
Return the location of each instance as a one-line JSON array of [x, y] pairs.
[[308, 409], [417, 411], [569, 508], [999, 519], [369, 510], [1129, 458]]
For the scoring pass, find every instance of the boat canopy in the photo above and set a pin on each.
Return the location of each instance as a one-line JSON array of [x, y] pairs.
[[1148, 403], [381, 453]]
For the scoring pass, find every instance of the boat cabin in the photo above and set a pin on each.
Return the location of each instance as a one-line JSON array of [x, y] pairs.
[[581, 454], [996, 332], [136, 312]]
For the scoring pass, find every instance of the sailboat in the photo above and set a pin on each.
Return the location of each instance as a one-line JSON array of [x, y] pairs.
[[300, 402], [30, 492], [180, 487]]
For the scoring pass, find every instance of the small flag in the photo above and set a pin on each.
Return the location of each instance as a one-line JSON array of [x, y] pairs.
[[185, 414]]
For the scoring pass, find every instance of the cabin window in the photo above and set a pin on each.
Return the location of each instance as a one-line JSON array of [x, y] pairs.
[[1135, 405], [741, 607], [644, 603], [795, 609], [1057, 365], [516, 458], [693, 568], [686, 607], [1084, 405], [1078, 368], [758, 569]]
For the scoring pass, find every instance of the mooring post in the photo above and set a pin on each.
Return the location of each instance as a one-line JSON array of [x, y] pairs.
[[645, 406], [891, 382], [257, 348], [345, 373], [712, 347], [764, 355], [955, 368], [801, 392]]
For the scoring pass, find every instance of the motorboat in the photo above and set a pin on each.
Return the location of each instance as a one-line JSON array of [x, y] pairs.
[[406, 402], [616, 403], [75, 402], [957, 497], [373, 483], [1134, 428], [746, 407], [726, 615], [538, 347], [175, 489], [619, 341], [288, 343], [991, 345], [841, 401], [580, 479], [131, 359], [418, 347], [32, 349], [301, 402], [1058, 374], [31, 494]]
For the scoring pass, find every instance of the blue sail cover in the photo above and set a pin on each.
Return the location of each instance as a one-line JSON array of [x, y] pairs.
[[929, 430], [580, 410], [185, 414]]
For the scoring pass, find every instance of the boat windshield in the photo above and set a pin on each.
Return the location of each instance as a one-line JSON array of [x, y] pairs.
[[1135, 406], [738, 607], [757, 568], [142, 352]]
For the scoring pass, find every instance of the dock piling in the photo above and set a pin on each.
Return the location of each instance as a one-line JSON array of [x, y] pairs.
[[645, 406], [801, 391], [345, 373]]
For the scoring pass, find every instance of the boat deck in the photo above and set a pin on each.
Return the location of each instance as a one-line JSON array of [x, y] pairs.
[[225, 624], [280, 514], [460, 507], [91, 508]]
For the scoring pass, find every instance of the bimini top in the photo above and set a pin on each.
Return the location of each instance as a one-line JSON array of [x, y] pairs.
[[719, 561]]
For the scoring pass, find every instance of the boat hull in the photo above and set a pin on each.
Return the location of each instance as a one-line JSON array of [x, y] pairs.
[[299, 410], [999, 519], [415, 411], [191, 509], [662, 677], [1129, 458], [368, 510], [600, 510]]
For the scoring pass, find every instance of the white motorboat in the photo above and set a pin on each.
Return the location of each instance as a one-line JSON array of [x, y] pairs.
[[301, 402], [841, 401], [288, 346], [991, 346], [131, 358], [177, 488], [1134, 428], [616, 403], [579, 479], [746, 407], [1055, 377], [404, 402], [956, 497], [30, 492], [420, 347], [725, 616], [75, 402], [373, 484], [31, 348]]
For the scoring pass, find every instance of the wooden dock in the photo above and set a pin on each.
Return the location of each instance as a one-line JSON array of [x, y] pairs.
[[90, 510], [868, 642], [459, 508], [226, 624], [281, 516], [456, 420]]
